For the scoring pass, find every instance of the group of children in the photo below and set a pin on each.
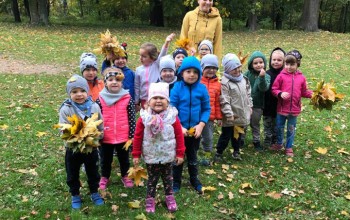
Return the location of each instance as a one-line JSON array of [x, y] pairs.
[[180, 98]]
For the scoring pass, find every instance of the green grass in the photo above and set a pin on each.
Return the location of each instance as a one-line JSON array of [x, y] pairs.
[[32, 173]]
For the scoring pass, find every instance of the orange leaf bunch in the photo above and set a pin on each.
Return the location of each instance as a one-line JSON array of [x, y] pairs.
[[191, 132], [325, 96], [81, 136], [242, 58], [109, 45], [137, 173], [185, 43]]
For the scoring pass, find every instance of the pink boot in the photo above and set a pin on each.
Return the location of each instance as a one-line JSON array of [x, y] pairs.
[[128, 183], [289, 152], [276, 147], [150, 205], [171, 203], [103, 183]]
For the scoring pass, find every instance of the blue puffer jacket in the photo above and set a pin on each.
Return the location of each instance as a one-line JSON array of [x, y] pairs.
[[191, 100]]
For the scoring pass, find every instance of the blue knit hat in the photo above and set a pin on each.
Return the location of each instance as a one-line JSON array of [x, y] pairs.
[[191, 62]]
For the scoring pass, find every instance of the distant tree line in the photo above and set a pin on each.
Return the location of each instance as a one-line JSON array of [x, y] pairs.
[[308, 15]]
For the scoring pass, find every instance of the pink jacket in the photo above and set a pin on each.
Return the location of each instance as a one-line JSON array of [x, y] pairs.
[[295, 84]]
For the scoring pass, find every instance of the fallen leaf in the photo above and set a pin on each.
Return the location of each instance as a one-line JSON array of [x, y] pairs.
[[263, 174], [241, 191], [211, 171], [342, 151], [274, 195], [347, 196], [321, 150], [225, 166], [137, 173], [141, 217], [34, 212], [344, 213], [220, 196], [24, 199], [221, 184], [246, 186], [134, 205], [208, 188], [290, 160], [3, 127], [47, 215], [40, 134], [123, 195], [115, 208], [328, 128], [27, 105], [230, 195]]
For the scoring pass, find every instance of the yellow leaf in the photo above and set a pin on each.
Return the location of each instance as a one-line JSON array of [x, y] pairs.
[[220, 196], [141, 217], [115, 208], [290, 160], [137, 173], [230, 195], [274, 195], [3, 127], [40, 134], [208, 188], [344, 213], [191, 132], [225, 167], [328, 128], [236, 131], [290, 210], [347, 196], [127, 145], [321, 150], [134, 205], [207, 171], [342, 151], [246, 186]]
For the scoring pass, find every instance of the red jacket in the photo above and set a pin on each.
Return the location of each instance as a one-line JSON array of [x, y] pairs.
[[214, 89], [95, 88], [295, 84]]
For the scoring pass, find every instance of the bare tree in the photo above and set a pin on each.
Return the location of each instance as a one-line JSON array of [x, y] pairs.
[[309, 18]]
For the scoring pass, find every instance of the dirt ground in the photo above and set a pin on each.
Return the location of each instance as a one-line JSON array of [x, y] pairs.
[[10, 65]]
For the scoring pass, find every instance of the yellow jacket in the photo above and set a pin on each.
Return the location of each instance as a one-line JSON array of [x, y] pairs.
[[198, 26]]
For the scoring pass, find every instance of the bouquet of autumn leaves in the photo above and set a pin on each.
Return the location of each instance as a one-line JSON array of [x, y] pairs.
[[81, 136], [325, 96]]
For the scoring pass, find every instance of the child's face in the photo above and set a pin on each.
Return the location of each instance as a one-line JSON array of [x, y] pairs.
[[120, 62], [291, 68], [204, 50], [178, 59], [236, 72], [78, 95], [113, 85], [277, 60], [167, 75], [90, 73], [258, 64], [145, 58], [158, 104], [210, 71], [190, 76]]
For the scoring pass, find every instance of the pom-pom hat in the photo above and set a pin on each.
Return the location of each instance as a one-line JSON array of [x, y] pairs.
[[87, 60]]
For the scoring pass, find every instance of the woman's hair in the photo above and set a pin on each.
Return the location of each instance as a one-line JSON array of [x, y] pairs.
[[291, 60], [151, 50]]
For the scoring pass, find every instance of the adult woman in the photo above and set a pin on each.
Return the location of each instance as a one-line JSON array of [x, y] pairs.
[[204, 22]]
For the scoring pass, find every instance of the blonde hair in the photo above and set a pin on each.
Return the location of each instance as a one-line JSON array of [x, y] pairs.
[[279, 52], [151, 50]]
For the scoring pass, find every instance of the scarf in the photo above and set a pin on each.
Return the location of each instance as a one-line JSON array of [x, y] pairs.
[[84, 110], [111, 98], [234, 78], [153, 120]]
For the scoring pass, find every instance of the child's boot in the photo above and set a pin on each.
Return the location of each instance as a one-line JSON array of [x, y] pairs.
[[128, 183], [103, 183], [171, 203], [150, 205], [76, 202], [276, 147], [97, 199], [289, 152], [258, 146]]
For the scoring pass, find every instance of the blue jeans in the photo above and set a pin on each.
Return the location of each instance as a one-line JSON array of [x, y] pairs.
[[291, 127]]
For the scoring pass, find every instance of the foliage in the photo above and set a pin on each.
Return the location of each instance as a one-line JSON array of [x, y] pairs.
[[109, 45], [137, 174], [325, 96]]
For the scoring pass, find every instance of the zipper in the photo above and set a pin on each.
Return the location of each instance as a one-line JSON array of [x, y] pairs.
[[291, 95], [190, 106]]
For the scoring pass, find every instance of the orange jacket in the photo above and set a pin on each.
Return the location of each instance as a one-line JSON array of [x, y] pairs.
[[95, 88], [214, 89]]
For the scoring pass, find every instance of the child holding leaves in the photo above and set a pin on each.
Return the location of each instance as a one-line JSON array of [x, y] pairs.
[[159, 138]]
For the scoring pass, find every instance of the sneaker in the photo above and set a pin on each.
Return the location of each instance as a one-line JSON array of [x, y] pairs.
[[150, 205], [76, 202], [197, 185], [258, 147], [236, 156], [171, 203], [289, 152], [97, 199], [276, 147], [204, 162], [176, 187], [217, 158], [103, 183], [128, 183]]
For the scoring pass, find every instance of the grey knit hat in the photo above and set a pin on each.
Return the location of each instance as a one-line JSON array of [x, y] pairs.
[[209, 60], [87, 60], [77, 81], [167, 63], [230, 62], [208, 43]]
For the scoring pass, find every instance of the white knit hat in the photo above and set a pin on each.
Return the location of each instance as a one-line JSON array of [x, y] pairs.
[[158, 89], [167, 63], [208, 43], [230, 62], [209, 60], [87, 60]]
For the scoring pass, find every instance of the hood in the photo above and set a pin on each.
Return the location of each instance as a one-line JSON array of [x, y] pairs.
[[254, 55], [277, 48], [214, 12], [191, 62]]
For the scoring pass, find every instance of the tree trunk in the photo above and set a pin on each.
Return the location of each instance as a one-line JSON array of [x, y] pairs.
[[39, 12], [343, 18], [309, 18], [15, 11], [156, 13], [26, 6], [252, 21], [81, 8]]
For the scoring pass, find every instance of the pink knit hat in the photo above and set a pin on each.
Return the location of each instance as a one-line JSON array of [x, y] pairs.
[[158, 89]]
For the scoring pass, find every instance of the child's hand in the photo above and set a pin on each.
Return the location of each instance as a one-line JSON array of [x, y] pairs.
[[285, 95], [193, 51], [219, 122], [185, 131], [179, 160], [136, 162], [262, 73], [170, 37], [251, 111], [198, 129]]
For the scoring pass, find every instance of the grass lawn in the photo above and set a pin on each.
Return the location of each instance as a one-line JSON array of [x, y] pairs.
[[262, 186]]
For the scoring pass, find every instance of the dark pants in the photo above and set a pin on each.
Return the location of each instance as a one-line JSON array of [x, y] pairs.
[[162, 170], [73, 163], [225, 137], [106, 152], [192, 146]]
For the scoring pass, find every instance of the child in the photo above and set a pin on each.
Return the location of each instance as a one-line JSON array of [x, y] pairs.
[[289, 87], [118, 110], [121, 63], [236, 105], [270, 105], [205, 47], [260, 83], [159, 139], [210, 66], [81, 104], [167, 71], [179, 55], [148, 72], [88, 68], [191, 99]]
